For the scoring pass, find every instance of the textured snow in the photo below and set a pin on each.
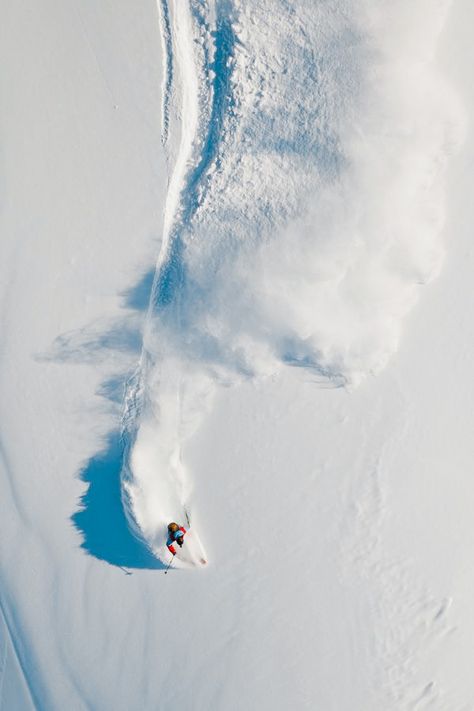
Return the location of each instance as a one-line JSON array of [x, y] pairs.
[[221, 224], [304, 211]]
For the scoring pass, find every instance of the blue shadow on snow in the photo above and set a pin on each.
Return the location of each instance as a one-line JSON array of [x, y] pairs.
[[101, 519]]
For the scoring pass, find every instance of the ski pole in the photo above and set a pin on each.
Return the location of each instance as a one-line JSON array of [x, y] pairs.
[[169, 565]]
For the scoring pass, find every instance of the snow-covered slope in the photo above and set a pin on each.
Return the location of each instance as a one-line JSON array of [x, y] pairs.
[[303, 212], [226, 212]]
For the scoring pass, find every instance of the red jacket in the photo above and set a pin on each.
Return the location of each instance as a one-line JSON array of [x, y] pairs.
[[174, 537]]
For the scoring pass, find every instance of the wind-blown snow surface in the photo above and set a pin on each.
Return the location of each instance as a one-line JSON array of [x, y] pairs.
[[300, 165], [303, 212]]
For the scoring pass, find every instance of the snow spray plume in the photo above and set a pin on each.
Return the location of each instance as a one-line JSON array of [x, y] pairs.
[[305, 208]]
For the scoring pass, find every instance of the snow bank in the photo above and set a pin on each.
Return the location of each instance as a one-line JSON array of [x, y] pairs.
[[305, 209]]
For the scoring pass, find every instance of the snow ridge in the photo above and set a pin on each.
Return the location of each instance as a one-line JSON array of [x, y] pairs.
[[168, 68], [206, 135]]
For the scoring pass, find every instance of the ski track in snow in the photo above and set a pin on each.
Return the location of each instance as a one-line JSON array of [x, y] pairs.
[[19, 656], [168, 68], [279, 125]]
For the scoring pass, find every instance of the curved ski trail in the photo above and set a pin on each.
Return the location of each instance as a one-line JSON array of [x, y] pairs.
[[164, 397]]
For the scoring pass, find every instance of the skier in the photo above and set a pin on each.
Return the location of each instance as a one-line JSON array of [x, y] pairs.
[[175, 535]]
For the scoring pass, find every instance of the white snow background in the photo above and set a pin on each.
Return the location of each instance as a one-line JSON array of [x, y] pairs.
[[236, 285]]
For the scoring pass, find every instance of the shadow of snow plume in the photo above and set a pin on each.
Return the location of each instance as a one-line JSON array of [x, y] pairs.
[[113, 346], [96, 342], [101, 518]]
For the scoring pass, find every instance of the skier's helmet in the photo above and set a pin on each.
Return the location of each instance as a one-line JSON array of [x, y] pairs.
[[173, 527]]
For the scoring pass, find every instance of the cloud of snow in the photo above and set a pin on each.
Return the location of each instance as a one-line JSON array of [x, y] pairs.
[[320, 211], [306, 211]]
